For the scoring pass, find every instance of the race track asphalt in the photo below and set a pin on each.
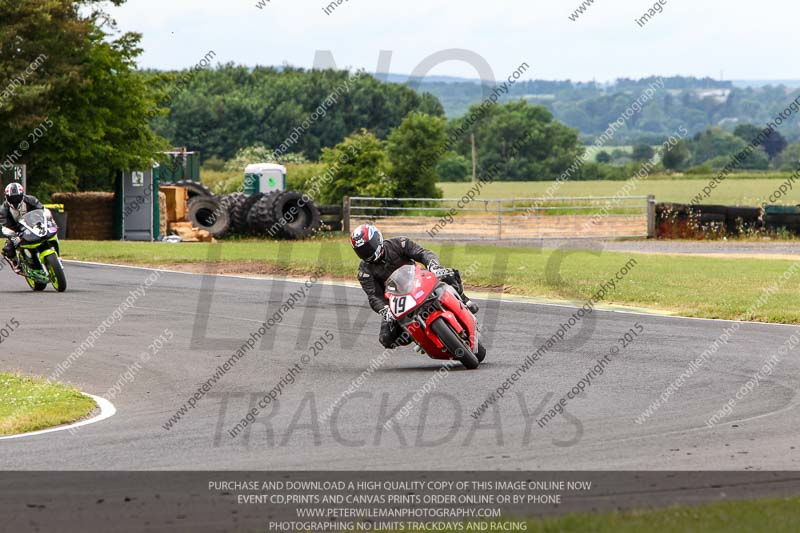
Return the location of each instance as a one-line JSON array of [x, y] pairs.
[[207, 318], [598, 432]]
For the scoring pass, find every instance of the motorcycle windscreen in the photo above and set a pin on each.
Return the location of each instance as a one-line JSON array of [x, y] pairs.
[[37, 225], [402, 280]]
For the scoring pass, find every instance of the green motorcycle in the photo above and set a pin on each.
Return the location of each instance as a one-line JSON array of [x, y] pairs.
[[38, 252]]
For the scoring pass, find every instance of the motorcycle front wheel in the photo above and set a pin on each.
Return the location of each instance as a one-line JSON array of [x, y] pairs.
[[57, 277], [454, 344], [481, 352]]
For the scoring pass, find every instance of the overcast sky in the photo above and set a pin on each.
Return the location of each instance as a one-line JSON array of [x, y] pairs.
[[742, 39]]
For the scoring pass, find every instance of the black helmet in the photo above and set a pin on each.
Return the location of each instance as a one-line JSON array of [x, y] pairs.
[[14, 194], [367, 241]]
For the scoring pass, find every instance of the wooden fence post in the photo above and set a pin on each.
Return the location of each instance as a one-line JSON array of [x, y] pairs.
[[346, 215], [651, 216]]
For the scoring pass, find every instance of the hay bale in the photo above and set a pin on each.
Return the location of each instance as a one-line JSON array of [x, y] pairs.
[[177, 201], [162, 211], [90, 214]]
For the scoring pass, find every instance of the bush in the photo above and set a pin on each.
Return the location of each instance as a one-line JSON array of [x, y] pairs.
[[700, 169], [300, 176], [453, 167], [221, 182], [757, 160], [214, 164], [592, 171], [260, 154], [603, 157], [414, 149], [355, 167], [643, 152]]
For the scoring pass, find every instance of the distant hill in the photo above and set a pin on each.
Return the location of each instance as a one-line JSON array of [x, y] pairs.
[[742, 84], [693, 103], [764, 83]]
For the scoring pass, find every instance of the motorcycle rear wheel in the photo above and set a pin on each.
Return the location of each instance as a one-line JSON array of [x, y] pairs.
[[57, 277], [36, 285], [454, 344]]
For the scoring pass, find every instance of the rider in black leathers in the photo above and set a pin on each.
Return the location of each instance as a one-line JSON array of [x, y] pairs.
[[16, 205], [379, 259]]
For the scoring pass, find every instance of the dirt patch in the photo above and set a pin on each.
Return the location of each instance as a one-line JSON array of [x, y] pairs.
[[511, 227], [238, 268]]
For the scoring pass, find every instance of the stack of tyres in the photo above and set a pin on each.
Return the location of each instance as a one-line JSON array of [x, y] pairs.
[[786, 217], [208, 213], [331, 217], [278, 214], [672, 221], [297, 216], [230, 202], [742, 219], [241, 211], [283, 214], [697, 221], [259, 218], [709, 216]]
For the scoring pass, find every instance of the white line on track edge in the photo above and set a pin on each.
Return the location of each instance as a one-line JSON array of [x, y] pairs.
[[515, 299], [107, 410]]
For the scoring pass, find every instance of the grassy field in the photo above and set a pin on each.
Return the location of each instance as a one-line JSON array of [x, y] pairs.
[[773, 515], [750, 191], [705, 287], [29, 404]]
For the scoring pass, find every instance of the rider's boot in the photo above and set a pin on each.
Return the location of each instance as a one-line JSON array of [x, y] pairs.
[[472, 306], [14, 265]]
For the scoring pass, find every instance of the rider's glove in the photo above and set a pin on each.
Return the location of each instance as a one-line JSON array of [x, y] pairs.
[[387, 316], [15, 240], [440, 272]]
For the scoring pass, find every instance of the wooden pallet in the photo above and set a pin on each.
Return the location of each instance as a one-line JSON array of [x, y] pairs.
[[189, 233], [177, 198]]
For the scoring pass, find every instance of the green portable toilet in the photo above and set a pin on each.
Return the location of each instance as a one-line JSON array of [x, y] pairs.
[[264, 177], [137, 214]]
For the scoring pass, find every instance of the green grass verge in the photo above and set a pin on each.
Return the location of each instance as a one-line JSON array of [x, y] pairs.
[[773, 515], [706, 287], [29, 404], [738, 191]]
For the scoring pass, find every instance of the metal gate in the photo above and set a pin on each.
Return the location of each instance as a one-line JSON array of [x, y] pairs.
[[510, 219]]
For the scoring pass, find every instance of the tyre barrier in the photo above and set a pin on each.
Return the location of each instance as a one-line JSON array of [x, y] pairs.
[[684, 221], [209, 214], [241, 211], [259, 217], [278, 214], [293, 216], [790, 223], [230, 201], [742, 219], [331, 217]]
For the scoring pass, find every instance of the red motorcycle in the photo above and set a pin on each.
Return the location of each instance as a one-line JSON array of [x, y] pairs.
[[434, 315]]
